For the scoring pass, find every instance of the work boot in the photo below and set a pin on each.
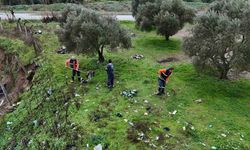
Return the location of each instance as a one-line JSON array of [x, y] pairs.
[[162, 91], [159, 91]]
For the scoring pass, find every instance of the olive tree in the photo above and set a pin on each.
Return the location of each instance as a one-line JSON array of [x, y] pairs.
[[144, 19], [136, 3], [220, 39], [87, 32], [166, 16], [172, 17]]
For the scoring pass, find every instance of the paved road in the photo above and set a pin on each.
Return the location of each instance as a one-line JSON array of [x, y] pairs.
[[39, 16]]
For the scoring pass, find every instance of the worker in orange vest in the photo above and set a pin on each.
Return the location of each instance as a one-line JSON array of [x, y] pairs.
[[74, 65], [163, 78]]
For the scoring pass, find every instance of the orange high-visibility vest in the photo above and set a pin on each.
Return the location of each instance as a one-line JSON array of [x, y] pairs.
[[164, 74], [72, 63]]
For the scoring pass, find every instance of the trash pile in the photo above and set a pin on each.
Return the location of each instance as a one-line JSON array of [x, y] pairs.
[[129, 93], [38, 32], [137, 56], [132, 35], [172, 113], [62, 50], [198, 101]]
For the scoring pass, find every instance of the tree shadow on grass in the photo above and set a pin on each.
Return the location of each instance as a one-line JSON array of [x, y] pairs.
[[159, 44], [225, 95]]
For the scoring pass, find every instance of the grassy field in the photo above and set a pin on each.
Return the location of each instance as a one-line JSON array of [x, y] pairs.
[[66, 119]]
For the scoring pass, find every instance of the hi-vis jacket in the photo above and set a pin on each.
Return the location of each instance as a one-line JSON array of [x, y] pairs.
[[72, 63], [164, 74]]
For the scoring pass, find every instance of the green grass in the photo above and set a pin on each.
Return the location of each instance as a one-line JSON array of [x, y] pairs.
[[225, 103], [15, 46]]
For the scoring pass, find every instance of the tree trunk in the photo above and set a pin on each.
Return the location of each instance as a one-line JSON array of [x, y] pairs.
[[100, 54], [167, 37], [223, 74], [100, 57]]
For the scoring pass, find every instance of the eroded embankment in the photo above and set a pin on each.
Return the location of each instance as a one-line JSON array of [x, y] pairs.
[[14, 78]]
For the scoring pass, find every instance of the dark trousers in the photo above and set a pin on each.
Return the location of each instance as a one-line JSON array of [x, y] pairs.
[[161, 84], [74, 72], [110, 80]]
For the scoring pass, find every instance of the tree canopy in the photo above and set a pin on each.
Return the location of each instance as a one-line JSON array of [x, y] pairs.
[[220, 39], [166, 16], [85, 31]]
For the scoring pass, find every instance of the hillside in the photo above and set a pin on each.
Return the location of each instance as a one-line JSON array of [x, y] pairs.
[[57, 114]]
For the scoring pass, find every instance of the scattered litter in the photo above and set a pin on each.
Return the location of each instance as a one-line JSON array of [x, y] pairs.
[[146, 141], [168, 94], [8, 125], [38, 32], [35, 123], [136, 111], [145, 101], [77, 95], [192, 128], [169, 135], [131, 123], [132, 35], [97, 88], [14, 105], [198, 101], [98, 147], [129, 93], [224, 135], [214, 148], [49, 92], [210, 126], [173, 113], [119, 115], [30, 142], [188, 127], [141, 136], [145, 114], [157, 138], [137, 56], [203, 144], [153, 145], [166, 129], [241, 139], [184, 128], [126, 120], [62, 50]]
